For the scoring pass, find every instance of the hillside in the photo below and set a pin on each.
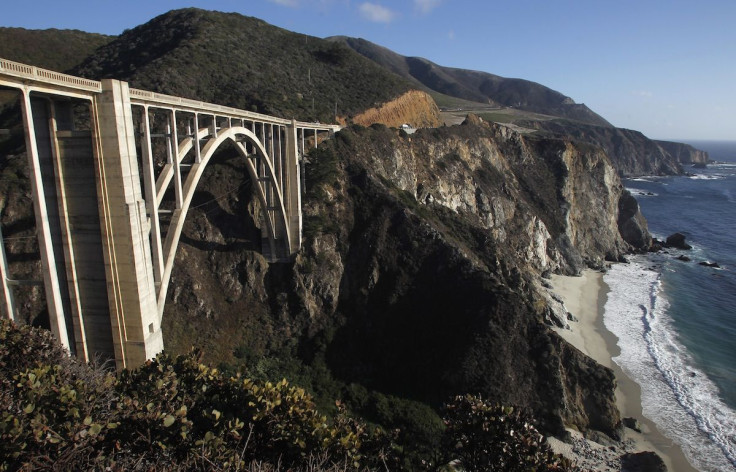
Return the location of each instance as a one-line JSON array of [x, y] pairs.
[[54, 49], [476, 86], [529, 105], [231, 59]]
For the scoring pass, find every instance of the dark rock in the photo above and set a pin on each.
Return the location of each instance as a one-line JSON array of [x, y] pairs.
[[571, 317], [642, 462], [700, 165], [683, 258], [632, 423], [677, 241], [631, 223], [715, 265]]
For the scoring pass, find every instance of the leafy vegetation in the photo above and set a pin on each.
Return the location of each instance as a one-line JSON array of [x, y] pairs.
[[53, 49], [488, 437], [244, 62], [178, 414], [474, 86], [168, 414]]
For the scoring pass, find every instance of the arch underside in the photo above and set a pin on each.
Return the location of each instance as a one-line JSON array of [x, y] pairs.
[[266, 188]]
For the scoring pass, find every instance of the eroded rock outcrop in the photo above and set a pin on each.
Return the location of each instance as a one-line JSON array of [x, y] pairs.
[[684, 153], [630, 152], [631, 223], [414, 107]]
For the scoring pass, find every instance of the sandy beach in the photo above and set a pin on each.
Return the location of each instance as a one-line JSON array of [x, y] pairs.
[[585, 298]]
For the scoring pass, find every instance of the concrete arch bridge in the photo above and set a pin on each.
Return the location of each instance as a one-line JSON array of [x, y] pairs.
[[107, 236]]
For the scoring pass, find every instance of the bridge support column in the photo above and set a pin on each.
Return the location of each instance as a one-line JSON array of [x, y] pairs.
[[125, 229], [292, 188], [38, 147], [7, 300]]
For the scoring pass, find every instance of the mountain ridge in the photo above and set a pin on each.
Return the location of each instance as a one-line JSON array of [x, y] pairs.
[[244, 62], [53, 49], [475, 85], [631, 152]]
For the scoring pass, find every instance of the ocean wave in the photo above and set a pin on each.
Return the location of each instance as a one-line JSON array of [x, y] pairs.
[[676, 395], [648, 178], [707, 177], [640, 193]]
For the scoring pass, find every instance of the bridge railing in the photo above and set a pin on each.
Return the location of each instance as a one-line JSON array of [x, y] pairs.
[[187, 104], [49, 76], [45, 76]]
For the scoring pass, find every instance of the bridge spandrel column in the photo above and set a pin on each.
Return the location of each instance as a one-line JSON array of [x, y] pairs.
[[292, 188], [129, 268]]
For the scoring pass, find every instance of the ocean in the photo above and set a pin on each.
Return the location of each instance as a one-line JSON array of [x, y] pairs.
[[676, 320]]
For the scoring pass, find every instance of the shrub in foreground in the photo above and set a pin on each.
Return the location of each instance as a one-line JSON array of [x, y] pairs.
[[483, 436], [178, 414], [168, 414]]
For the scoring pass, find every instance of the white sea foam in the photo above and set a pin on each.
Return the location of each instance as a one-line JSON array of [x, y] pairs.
[[678, 397], [707, 177], [647, 178], [637, 192]]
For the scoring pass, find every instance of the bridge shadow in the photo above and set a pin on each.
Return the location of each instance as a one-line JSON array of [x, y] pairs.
[[13, 229], [220, 210]]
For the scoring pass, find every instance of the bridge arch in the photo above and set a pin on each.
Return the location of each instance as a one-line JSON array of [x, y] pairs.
[[122, 193], [266, 187]]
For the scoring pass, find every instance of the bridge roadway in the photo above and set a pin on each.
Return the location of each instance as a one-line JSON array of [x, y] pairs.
[[107, 225]]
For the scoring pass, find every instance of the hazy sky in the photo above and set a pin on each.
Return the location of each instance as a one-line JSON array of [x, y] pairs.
[[664, 67]]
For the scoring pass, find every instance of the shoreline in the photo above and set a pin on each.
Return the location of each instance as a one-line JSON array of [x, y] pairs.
[[585, 297]]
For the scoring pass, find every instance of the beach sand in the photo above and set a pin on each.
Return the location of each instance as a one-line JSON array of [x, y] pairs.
[[585, 297]]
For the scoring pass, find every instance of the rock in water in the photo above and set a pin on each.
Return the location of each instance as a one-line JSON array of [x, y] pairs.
[[631, 223], [677, 241]]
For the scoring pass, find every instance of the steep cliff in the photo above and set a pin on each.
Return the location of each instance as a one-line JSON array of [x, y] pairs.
[[414, 107], [684, 153], [419, 276], [631, 152]]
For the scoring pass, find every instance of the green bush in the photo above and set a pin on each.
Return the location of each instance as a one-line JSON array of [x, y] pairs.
[[178, 414], [171, 413], [486, 437]]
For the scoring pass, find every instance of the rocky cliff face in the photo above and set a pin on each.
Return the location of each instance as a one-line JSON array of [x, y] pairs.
[[419, 275], [414, 107], [631, 152], [684, 153]]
